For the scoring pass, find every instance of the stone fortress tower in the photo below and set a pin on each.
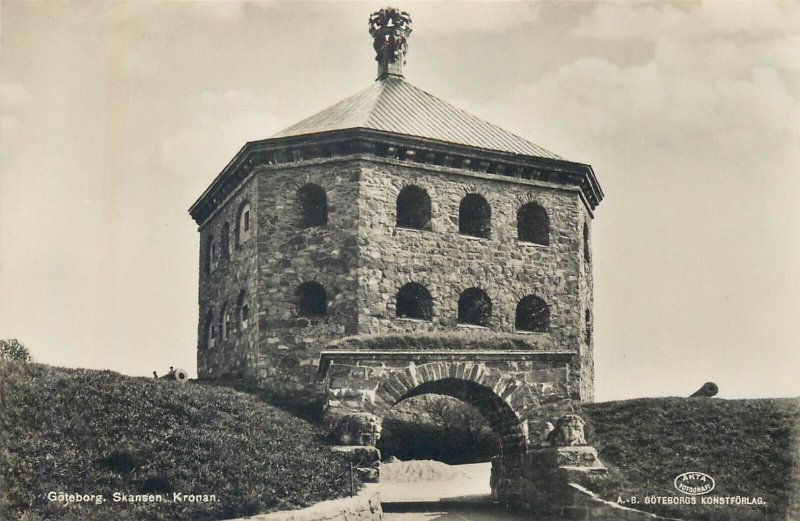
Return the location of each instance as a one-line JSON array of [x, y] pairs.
[[394, 230]]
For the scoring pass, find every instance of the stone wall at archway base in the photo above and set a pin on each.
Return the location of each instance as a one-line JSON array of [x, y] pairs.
[[537, 480], [545, 482]]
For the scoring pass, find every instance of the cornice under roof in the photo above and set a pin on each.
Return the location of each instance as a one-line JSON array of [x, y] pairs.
[[411, 150]]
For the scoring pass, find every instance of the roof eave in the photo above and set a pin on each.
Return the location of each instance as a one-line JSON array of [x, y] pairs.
[[242, 158]]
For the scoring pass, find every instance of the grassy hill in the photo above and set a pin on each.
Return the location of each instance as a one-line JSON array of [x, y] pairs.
[[98, 432], [750, 447]]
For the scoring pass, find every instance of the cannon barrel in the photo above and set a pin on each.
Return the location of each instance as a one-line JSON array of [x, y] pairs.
[[708, 390], [176, 375]]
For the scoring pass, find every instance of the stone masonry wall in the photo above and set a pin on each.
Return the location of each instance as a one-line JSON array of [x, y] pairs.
[[362, 259], [289, 255], [543, 483], [447, 263], [220, 289], [586, 345]]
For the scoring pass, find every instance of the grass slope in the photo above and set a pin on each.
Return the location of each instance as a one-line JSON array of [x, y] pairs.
[[748, 446], [97, 432]]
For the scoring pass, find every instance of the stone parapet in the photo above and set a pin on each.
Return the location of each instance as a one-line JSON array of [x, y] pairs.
[[540, 460]]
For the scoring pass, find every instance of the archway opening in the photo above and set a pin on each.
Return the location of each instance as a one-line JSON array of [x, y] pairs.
[[437, 427], [450, 420]]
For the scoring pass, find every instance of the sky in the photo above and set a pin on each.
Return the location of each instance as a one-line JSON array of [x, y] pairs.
[[114, 117]]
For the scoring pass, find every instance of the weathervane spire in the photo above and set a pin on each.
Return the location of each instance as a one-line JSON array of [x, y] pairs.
[[390, 29]]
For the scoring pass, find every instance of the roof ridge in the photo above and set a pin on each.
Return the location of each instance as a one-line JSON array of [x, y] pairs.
[[382, 82]]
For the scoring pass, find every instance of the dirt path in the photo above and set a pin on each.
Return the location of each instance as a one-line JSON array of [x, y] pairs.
[[452, 512], [468, 481], [465, 498]]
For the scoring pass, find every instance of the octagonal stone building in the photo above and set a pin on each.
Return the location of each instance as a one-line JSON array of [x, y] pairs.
[[393, 220]]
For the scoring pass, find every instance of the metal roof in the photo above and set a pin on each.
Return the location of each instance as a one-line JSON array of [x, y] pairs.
[[394, 105]]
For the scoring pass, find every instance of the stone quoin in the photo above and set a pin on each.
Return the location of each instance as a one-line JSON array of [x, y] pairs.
[[394, 245]]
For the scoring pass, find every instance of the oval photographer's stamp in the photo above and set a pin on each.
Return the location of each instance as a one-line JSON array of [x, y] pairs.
[[694, 483]]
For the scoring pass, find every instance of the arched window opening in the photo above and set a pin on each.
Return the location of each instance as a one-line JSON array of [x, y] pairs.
[[225, 241], [210, 331], [313, 205], [244, 224], [312, 300], [414, 209], [244, 312], [474, 307], [533, 224], [227, 323], [533, 314], [588, 327], [414, 301], [587, 254], [212, 255], [475, 216]]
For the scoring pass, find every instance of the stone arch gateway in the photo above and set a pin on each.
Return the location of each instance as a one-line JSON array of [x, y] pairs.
[[516, 385], [520, 388]]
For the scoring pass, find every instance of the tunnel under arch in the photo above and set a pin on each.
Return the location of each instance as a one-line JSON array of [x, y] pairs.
[[504, 422]]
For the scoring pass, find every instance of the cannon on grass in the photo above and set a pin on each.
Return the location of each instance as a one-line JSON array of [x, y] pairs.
[[175, 375], [708, 390]]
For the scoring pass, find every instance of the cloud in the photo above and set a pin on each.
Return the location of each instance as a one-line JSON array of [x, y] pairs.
[[213, 10], [697, 21], [136, 62], [756, 19], [14, 95], [14, 98], [220, 123], [593, 101], [608, 21], [703, 94], [466, 17], [220, 11], [8, 125]]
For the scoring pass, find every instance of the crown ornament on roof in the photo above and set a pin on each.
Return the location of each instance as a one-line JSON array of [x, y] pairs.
[[390, 28]]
